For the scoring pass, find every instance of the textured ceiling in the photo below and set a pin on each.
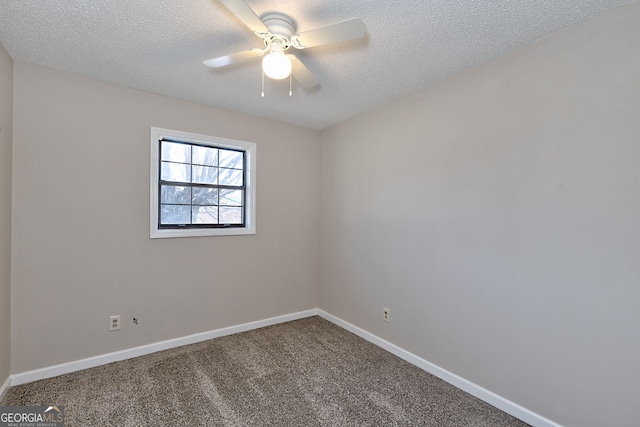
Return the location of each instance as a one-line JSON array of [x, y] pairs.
[[159, 46]]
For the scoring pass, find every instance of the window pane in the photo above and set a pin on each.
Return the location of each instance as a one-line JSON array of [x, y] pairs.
[[230, 215], [205, 196], [174, 194], [207, 156], [205, 175], [175, 172], [231, 159], [175, 214], [173, 152], [205, 214], [231, 177], [231, 197]]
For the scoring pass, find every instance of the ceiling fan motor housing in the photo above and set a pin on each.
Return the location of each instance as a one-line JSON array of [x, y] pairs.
[[281, 27]]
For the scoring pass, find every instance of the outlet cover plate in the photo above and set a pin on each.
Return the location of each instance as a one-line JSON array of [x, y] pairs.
[[114, 323]]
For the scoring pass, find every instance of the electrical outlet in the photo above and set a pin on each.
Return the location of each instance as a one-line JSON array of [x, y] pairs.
[[386, 314], [114, 323]]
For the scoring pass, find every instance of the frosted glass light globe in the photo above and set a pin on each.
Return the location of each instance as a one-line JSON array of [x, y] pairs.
[[276, 64]]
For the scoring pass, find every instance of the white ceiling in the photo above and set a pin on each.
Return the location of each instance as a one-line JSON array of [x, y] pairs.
[[159, 45]]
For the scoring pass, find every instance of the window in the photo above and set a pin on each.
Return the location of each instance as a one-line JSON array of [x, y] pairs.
[[201, 185]]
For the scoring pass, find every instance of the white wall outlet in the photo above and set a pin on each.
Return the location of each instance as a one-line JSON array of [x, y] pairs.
[[114, 323], [386, 314]]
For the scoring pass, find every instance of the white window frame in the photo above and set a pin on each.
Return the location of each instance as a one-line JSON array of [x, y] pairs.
[[250, 182]]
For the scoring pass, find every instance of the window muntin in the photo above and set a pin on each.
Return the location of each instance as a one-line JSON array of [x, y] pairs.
[[200, 186]]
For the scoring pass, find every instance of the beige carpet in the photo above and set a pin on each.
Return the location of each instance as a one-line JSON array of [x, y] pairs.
[[303, 373]]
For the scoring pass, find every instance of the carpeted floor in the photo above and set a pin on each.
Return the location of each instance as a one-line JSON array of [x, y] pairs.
[[303, 373]]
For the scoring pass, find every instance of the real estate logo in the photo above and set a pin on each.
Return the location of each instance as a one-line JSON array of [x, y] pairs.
[[32, 416]]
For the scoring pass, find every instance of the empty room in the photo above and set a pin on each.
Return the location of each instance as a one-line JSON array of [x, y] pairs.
[[320, 213]]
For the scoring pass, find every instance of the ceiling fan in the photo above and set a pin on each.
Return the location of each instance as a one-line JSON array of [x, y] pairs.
[[278, 34]]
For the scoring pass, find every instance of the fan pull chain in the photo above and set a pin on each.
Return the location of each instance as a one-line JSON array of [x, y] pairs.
[[290, 85]]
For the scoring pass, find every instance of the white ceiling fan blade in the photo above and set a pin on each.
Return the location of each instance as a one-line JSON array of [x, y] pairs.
[[302, 74], [346, 30], [234, 58], [247, 15]]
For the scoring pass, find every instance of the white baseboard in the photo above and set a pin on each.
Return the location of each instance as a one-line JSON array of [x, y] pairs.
[[4, 387], [481, 393], [91, 362]]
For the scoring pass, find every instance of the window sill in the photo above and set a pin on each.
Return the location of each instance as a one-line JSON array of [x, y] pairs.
[[203, 232]]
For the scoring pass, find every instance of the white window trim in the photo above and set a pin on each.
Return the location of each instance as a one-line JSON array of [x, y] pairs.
[[250, 177]]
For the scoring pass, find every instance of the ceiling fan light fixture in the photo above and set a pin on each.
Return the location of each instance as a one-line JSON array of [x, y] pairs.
[[276, 64], [278, 33]]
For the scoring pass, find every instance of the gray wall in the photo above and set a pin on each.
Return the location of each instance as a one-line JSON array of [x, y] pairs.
[[81, 224], [6, 114], [497, 214]]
